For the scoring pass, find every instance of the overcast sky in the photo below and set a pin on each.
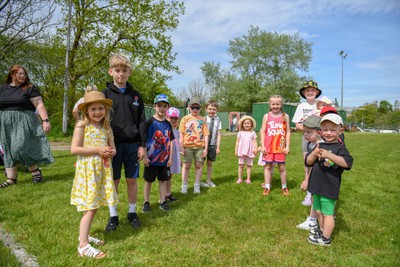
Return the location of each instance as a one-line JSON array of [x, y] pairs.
[[367, 30]]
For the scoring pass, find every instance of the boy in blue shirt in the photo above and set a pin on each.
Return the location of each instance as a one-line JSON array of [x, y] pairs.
[[159, 152]]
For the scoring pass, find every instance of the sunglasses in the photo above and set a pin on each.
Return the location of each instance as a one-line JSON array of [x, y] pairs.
[[195, 107]]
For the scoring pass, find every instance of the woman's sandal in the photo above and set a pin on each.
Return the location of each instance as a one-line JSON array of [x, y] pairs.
[[37, 178], [8, 183], [90, 252], [95, 241]]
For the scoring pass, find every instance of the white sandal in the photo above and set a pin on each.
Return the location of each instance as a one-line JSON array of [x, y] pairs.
[[90, 252], [94, 240]]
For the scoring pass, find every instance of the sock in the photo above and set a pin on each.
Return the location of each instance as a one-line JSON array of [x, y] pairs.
[[309, 218], [132, 208], [113, 211], [308, 194], [284, 186], [267, 186]]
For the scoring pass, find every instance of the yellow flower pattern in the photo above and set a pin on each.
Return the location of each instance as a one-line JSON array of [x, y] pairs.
[[93, 185]]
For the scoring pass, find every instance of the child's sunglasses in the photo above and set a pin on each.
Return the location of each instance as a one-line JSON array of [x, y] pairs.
[[195, 107]]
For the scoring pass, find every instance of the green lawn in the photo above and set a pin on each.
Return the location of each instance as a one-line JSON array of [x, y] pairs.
[[230, 225]]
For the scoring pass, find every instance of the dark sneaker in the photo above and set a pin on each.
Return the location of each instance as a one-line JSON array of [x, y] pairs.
[[315, 231], [134, 219], [112, 224], [319, 240], [171, 198], [164, 206], [146, 207]]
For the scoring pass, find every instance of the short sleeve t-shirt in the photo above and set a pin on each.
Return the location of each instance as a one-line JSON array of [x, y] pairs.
[[159, 141], [302, 110], [17, 98], [194, 129]]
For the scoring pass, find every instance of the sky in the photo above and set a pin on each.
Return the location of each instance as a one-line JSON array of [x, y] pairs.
[[367, 30]]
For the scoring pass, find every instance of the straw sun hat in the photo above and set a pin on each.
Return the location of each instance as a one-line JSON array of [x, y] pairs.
[[242, 119], [95, 97]]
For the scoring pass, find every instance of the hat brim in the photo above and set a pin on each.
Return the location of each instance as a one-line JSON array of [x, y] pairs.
[[303, 96], [107, 102], [242, 119]]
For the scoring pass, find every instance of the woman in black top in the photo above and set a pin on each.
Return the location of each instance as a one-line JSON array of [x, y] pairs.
[[22, 131]]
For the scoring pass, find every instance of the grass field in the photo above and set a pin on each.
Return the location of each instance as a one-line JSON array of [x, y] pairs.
[[230, 225]]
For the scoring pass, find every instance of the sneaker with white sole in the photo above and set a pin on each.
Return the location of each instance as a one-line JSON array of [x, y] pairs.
[[211, 184], [319, 240], [184, 188], [308, 224], [196, 188], [307, 201], [204, 184]]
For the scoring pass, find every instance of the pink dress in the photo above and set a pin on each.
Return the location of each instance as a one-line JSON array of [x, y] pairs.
[[246, 143]]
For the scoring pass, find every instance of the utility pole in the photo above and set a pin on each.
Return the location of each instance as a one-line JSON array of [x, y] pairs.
[[66, 77], [343, 55]]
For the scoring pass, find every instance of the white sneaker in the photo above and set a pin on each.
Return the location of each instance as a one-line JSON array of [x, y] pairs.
[[307, 201], [196, 188], [308, 224], [211, 184], [204, 185], [184, 188]]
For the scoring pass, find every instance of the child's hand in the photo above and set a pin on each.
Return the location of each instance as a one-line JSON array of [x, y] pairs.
[[236, 154], [104, 151], [255, 151], [316, 152], [169, 163], [323, 153], [146, 161], [218, 151], [204, 153], [304, 185], [286, 150]]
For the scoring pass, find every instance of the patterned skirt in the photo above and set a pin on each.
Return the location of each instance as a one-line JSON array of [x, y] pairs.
[[23, 139]]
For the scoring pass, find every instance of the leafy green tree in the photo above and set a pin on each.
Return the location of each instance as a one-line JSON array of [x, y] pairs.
[[22, 22], [385, 107], [263, 64], [138, 28]]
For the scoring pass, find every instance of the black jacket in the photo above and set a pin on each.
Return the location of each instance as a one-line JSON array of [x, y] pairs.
[[128, 119]]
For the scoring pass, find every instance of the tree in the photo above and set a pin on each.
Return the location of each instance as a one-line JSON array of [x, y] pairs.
[[263, 64], [384, 107], [23, 21], [195, 88], [138, 28]]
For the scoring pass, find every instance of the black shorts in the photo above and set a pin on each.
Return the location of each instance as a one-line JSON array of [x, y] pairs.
[[212, 153], [151, 172]]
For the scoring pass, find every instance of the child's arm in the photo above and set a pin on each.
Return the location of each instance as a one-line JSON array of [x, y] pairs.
[[255, 145], [77, 143], [338, 160], [288, 134], [312, 157], [171, 151], [206, 138], [236, 146], [181, 148], [218, 142], [262, 133], [111, 144]]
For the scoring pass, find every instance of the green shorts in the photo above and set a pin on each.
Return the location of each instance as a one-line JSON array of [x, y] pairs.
[[324, 204], [193, 153]]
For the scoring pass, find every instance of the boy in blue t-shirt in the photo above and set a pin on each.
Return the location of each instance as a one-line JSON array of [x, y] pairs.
[[158, 153]]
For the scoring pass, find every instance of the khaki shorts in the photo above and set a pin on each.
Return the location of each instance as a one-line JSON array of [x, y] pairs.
[[193, 153]]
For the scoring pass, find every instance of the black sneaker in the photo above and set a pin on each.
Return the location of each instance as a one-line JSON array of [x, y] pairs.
[[134, 219], [112, 224], [171, 198], [146, 207], [164, 206], [316, 232], [319, 240]]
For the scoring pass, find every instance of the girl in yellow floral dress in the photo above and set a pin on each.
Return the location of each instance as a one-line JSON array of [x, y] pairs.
[[93, 184]]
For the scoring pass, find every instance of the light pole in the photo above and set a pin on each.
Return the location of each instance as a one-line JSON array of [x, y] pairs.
[[343, 56]]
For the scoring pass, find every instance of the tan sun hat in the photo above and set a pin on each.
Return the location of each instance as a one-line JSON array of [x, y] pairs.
[[242, 119], [95, 96]]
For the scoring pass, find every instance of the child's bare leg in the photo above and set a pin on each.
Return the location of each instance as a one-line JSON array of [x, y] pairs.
[[146, 191], [248, 169], [84, 227], [209, 170], [185, 172], [282, 170], [267, 174], [320, 219], [199, 170], [162, 187], [240, 172], [329, 224], [168, 186]]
